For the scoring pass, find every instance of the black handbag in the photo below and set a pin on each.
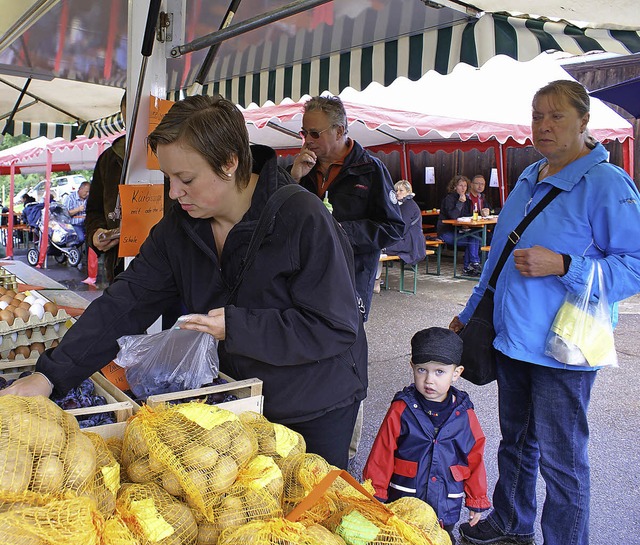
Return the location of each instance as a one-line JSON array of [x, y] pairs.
[[478, 353]]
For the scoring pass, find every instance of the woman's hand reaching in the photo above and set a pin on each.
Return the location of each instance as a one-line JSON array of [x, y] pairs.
[[212, 323]]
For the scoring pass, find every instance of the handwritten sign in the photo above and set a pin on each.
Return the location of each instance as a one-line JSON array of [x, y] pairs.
[[142, 207], [157, 108]]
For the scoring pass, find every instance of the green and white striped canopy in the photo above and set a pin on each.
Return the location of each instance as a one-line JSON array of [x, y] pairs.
[[473, 42]]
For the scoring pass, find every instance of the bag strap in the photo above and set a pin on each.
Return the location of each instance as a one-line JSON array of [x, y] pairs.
[[267, 216], [514, 236]]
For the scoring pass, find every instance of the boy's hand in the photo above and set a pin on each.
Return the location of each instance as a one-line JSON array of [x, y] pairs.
[[474, 518]]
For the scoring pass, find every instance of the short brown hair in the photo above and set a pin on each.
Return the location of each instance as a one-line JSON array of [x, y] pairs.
[[212, 127], [454, 182]]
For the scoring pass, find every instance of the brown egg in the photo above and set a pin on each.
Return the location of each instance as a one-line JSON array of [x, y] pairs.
[[7, 298], [21, 313], [11, 308], [24, 305], [51, 307], [11, 292], [28, 333], [6, 316], [54, 343], [20, 296], [11, 355], [3, 290], [43, 330], [38, 347], [24, 351]]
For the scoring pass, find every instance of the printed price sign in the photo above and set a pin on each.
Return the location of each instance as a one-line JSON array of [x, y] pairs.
[[142, 207]]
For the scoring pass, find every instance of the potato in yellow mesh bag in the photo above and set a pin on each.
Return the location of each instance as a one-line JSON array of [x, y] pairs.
[[274, 440], [194, 451], [268, 532], [58, 522], [155, 517], [116, 533], [42, 448], [106, 481], [420, 514], [301, 473]]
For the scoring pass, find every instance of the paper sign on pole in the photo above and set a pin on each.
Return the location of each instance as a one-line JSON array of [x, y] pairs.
[[142, 207], [157, 108]]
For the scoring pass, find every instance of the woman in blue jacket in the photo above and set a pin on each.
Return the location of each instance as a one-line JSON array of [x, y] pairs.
[[543, 403]]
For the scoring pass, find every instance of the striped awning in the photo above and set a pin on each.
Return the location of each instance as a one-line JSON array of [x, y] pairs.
[[107, 126], [472, 41]]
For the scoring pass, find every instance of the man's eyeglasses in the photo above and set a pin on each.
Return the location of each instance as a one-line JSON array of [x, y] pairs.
[[313, 134]]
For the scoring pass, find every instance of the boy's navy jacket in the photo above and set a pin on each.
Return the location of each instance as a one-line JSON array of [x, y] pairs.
[[409, 459]]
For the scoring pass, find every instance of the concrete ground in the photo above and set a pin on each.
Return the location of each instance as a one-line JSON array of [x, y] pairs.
[[614, 411]]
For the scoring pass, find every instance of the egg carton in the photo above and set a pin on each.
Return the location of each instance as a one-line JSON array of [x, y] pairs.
[[33, 321], [4, 351], [44, 334]]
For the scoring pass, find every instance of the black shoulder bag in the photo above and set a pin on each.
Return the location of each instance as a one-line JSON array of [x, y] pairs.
[[478, 354]]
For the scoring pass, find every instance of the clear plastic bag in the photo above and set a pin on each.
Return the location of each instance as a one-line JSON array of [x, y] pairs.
[[170, 361], [581, 333]]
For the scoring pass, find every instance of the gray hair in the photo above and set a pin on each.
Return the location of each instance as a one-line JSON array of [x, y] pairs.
[[332, 107]]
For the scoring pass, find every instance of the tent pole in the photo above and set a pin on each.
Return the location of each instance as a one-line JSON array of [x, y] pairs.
[[502, 173], [627, 156], [15, 107], [250, 24], [12, 188], [44, 235]]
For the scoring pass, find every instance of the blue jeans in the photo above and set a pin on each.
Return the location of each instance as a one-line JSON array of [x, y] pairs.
[[543, 420], [471, 247]]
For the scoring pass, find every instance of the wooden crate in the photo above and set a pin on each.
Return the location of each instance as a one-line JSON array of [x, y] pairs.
[[117, 401], [249, 393]]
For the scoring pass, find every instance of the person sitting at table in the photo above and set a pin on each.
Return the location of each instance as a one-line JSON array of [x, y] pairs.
[[456, 205], [411, 247], [479, 200]]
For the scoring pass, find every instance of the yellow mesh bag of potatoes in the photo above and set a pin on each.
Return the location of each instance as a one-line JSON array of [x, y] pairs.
[[361, 519], [154, 516], [274, 440], [57, 522], [42, 448], [106, 481], [193, 450], [278, 532], [420, 514]]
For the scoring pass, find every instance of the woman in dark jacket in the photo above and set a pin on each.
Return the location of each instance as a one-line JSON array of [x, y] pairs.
[[411, 248], [293, 320], [456, 205]]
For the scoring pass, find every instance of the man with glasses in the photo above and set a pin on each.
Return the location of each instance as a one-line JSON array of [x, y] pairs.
[[357, 185], [479, 200]]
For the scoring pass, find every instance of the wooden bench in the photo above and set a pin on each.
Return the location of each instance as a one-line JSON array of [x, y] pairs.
[[387, 261], [434, 245]]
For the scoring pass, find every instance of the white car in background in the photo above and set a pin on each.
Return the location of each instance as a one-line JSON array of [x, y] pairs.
[[60, 187]]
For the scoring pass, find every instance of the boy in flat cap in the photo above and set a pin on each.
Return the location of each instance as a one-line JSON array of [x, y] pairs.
[[430, 444]]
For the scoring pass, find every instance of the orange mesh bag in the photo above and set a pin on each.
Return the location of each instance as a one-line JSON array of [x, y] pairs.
[[362, 519], [106, 481], [274, 440], [193, 450], [155, 517], [42, 448], [116, 533], [57, 522]]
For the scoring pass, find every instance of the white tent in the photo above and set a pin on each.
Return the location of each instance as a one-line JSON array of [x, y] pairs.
[[483, 108], [44, 155]]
